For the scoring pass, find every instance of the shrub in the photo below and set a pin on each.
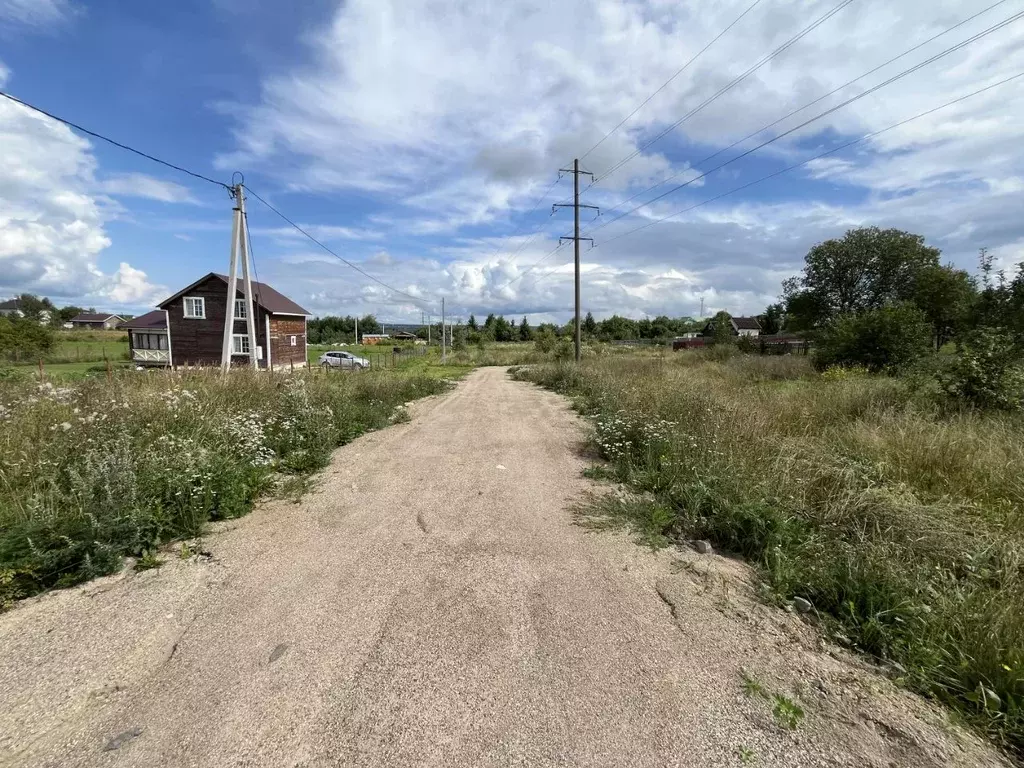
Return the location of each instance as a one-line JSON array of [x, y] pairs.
[[988, 371], [886, 339], [545, 341]]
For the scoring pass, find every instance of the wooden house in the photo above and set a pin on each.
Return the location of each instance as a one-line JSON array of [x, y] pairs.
[[193, 327]]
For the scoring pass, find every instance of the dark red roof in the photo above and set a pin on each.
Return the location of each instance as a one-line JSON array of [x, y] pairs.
[[274, 302], [155, 320]]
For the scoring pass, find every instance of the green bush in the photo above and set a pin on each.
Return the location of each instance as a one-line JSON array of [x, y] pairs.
[[886, 339], [545, 341], [988, 371]]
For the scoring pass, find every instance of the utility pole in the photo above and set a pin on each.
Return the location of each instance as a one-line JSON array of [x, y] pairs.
[[702, 306], [575, 171], [239, 253], [444, 356], [357, 331]]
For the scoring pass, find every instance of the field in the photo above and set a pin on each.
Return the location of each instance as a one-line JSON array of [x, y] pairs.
[[102, 468], [899, 521]]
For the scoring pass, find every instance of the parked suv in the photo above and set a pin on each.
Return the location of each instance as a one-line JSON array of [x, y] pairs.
[[343, 360]]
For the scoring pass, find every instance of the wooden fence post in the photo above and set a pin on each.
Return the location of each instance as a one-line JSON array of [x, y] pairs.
[[42, 373]]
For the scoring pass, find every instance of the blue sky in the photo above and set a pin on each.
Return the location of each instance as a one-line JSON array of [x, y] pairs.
[[415, 138]]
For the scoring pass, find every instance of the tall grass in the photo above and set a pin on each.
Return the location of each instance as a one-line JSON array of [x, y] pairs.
[[101, 469], [899, 521]]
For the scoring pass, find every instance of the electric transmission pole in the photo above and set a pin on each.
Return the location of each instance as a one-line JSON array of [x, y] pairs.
[[239, 255], [575, 205]]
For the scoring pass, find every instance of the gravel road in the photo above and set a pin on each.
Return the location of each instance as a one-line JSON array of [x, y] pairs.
[[431, 603]]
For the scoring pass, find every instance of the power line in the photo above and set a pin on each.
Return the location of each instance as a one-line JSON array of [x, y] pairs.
[[518, 230], [252, 255], [679, 71], [530, 269], [357, 268], [827, 112], [865, 137], [801, 109], [736, 81], [111, 141]]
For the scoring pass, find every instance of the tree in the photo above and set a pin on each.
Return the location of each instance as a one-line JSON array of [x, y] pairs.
[[525, 332], [773, 319], [503, 330], [64, 314], [368, 324], [589, 324], [23, 338], [617, 328], [867, 269], [472, 322], [721, 325], [884, 339], [946, 296], [32, 306]]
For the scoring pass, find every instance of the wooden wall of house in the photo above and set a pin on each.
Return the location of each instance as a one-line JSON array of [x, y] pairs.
[[282, 353], [198, 342]]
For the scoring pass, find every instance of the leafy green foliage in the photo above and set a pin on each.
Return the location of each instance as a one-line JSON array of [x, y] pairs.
[[867, 269], [336, 330], [23, 338], [787, 712], [885, 339], [946, 296], [988, 371]]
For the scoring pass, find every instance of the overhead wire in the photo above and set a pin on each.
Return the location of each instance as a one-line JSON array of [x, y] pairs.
[[798, 110], [356, 267], [107, 139], [530, 269], [832, 151], [679, 71], [869, 91], [536, 230], [732, 84]]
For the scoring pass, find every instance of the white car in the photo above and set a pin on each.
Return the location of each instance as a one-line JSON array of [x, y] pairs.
[[343, 360]]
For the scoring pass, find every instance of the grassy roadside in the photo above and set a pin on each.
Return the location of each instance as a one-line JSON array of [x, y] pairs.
[[99, 469], [899, 522]]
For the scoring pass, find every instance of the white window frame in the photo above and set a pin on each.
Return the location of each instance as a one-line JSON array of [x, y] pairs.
[[202, 306], [237, 347], [292, 340], [240, 303]]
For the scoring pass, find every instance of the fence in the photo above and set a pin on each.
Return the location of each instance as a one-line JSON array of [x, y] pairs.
[[390, 359]]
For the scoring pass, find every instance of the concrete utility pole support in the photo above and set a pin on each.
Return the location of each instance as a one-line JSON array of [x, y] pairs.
[[575, 171], [444, 355], [239, 252]]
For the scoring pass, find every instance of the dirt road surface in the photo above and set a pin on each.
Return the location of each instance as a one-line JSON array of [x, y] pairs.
[[431, 603]]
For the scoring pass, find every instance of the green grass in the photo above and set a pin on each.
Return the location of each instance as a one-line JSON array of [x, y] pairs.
[[98, 469], [83, 347], [900, 520]]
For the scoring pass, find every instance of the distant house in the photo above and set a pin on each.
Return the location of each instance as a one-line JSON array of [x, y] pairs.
[[11, 307], [404, 336], [188, 327], [741, 326], [98, 320], [374, 338]]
